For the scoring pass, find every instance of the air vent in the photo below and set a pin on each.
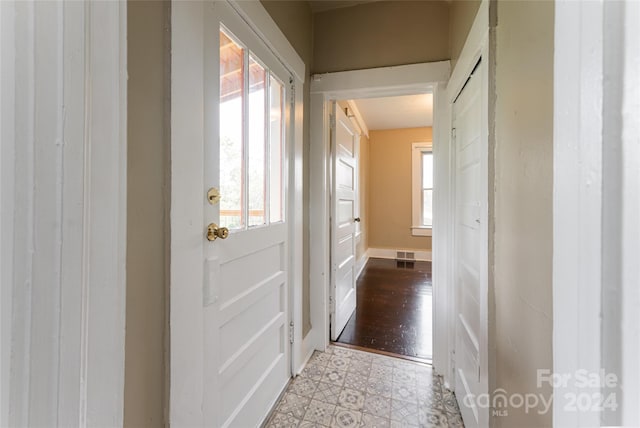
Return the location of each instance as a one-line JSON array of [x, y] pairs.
[[405, 255]]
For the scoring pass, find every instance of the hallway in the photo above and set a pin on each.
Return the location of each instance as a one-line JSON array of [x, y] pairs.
[[349, 388], [394, 309]]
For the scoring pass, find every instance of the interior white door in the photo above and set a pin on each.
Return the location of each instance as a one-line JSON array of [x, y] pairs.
[[343, 220], [246, 314], [470, 224]]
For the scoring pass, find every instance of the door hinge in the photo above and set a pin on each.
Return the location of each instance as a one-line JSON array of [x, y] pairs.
[[332, 121], [453, 363], [291, 332], [453, 133], [293, 91]]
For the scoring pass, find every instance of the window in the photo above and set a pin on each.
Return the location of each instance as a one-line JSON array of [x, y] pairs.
[[422, 189], [251, 138]]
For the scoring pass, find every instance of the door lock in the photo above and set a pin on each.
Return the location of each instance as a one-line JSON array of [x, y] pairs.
[[213, 196], [214, 232]]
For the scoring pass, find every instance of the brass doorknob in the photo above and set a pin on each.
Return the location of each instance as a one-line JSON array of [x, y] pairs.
[[214, 232]]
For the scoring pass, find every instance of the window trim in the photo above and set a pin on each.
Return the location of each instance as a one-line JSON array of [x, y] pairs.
[[416, 187]]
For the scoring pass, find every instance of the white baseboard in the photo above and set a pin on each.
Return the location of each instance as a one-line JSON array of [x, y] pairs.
[[307, 350], [360, 264], [390, 253]]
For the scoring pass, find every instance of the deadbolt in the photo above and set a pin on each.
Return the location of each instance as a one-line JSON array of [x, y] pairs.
[[213, 196], [214, 232]]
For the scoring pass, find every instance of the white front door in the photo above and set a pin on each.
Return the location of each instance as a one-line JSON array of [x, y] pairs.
[[470, 260], [245, 300], [344, 141]]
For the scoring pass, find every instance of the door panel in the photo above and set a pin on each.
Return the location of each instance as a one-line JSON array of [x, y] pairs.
[[343, 247], [246, 346], [469, 285]]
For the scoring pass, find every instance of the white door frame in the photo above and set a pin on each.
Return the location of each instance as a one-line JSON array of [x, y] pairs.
[[596, 245], [379, 82], [187, 220], [63, 120]]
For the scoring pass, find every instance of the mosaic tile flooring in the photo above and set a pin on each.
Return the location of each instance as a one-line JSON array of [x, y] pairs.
[[349, 388]]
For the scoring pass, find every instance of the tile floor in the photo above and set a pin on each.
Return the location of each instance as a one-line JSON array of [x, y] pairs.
[[348, 388]]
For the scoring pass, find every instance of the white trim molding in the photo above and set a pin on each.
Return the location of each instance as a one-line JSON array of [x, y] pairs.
[[63, 218], [356, 117], [392, 253], [361, 263], [380, 82], [596, 322], [421, 231], [261, 22]]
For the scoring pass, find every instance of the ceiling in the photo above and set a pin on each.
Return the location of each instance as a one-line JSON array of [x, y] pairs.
[[410, 111], [322, 5]]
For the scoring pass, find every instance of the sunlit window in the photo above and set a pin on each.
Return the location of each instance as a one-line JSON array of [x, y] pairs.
[[251, 138], [427, 189], [422, 191], [231, 133]]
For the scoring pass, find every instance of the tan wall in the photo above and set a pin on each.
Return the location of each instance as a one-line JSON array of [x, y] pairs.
[[380, 34], [461, 16], [523, 239], [294, 19], [390, 189], [363, 243], [147, 202]]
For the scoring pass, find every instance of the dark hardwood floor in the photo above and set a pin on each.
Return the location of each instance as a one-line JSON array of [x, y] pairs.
[[393, 313]]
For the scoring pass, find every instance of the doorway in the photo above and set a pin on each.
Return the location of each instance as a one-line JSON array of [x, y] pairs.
[[382, 224], [378, 83]]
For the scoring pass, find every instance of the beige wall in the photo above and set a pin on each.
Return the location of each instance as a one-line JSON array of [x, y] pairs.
[[390, 189], [461, 16], [523, 202], [363, 243], [147, 215], [380, 34], [294, 19]]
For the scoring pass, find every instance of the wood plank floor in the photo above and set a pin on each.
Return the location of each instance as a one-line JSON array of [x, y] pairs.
[[393, 313]]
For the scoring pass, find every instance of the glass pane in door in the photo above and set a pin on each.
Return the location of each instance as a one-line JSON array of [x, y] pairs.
[[231, 133], [276, 116], [257, 143]]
